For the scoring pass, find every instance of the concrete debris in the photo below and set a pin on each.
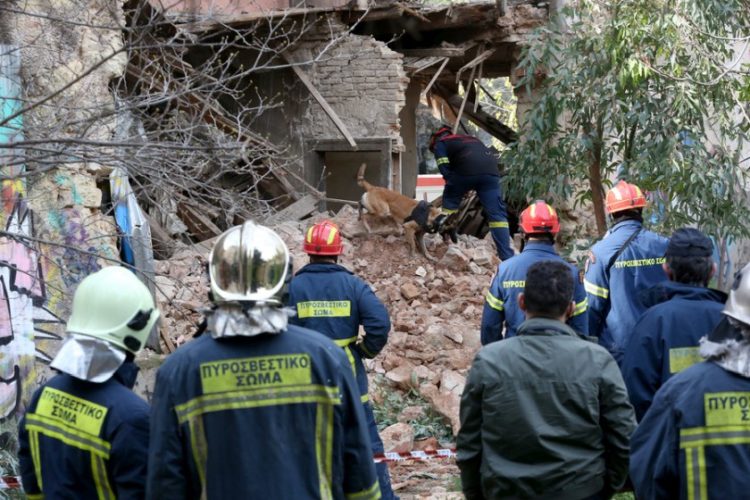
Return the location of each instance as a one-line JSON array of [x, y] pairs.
[[398, 437], [455, 259], [410, 291]]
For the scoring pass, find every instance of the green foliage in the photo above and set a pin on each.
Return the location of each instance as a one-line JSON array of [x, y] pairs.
[[430, 424], [646, 90]]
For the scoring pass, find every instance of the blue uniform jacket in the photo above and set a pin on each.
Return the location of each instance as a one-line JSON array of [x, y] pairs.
[[464, 155], [85, 440], [501, 301], [329, 299], [694, 442], [613, 287], [269, 416], [665, 339]]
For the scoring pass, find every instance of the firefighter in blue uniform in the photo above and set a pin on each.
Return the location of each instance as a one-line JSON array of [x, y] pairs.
[[627, 260], [466, 164], [694, 442], [540, 224], [85, 434], [257, 408], [329, 299], [665, 339]]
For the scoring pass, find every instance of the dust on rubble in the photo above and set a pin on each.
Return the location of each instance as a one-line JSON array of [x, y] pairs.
[[435, 310]]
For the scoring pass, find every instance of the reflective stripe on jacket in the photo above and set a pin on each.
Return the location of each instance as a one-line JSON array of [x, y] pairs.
[[85, 440], [544, 414], [694, 442], [329, 299], [501, 300], [464, 155], [665, 339], [613, 286], [270, 416]]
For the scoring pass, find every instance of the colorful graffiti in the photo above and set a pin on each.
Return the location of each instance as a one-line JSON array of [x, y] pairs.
[[23, 316]]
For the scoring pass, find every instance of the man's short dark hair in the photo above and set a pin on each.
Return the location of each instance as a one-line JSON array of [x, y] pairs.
[[549, 288], [689, 256], [691, 270]]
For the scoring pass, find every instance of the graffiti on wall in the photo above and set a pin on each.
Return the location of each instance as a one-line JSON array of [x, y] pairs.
[[24, 319]]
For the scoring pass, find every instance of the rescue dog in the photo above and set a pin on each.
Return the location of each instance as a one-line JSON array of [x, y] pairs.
[[415, 217]]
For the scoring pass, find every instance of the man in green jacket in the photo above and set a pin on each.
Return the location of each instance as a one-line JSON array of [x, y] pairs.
[[544, 414]]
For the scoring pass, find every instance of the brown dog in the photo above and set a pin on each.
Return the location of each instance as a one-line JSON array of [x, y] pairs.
[[383, 202]]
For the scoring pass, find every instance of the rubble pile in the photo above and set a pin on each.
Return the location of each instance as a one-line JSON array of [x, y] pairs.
[[435, 309]]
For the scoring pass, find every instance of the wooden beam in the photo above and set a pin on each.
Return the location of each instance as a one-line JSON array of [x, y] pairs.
[[421, 64], [294, 212], [484, 55], [434, 52], [479, 84], [489, 123], [321, 100], [466, 98], [434, 78]]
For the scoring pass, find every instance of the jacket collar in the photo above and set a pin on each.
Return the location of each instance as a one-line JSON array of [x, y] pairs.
[[544, 326], [668, 290], [540, 246], [631, 223], [323, 267], [127, 374]]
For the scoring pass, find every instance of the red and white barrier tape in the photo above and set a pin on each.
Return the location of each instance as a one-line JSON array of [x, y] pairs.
[[10, 483], [14, 482], [393, 456]]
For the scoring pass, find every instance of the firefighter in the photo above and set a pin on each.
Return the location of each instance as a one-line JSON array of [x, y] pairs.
[[257, 408], [694, 441], [85, 433], [540, 224], [328, 298], [665, 339], [626, 260], [466, 164]]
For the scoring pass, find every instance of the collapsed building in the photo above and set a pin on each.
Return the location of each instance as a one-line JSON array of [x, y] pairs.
[[131, 132]]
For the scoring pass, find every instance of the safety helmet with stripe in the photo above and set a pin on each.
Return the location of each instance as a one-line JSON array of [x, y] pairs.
[[443, 130], [324, 238], [624, 196], [539, 218]]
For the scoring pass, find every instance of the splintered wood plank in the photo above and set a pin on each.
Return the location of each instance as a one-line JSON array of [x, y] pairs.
[[321, 100]]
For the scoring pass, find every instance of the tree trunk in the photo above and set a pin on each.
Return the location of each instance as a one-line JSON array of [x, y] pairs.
[[595, 176], [595, 182]]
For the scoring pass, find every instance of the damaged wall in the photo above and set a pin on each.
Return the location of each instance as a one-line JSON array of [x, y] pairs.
[[58, 233], [362, 80]]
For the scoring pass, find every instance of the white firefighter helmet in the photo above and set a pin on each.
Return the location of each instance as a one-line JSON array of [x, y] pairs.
[[738, 304]]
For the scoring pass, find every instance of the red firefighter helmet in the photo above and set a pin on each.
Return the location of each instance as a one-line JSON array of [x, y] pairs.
[[324, 238], [624, 196], [540, 218], [443, 130]]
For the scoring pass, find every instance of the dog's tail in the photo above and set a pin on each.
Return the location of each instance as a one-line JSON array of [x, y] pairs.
[[361, 178]]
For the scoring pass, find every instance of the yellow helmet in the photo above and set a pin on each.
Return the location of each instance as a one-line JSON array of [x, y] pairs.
[[249, 263], [113, 305]]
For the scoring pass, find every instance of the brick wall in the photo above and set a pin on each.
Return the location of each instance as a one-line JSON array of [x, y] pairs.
[[361, 78]]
